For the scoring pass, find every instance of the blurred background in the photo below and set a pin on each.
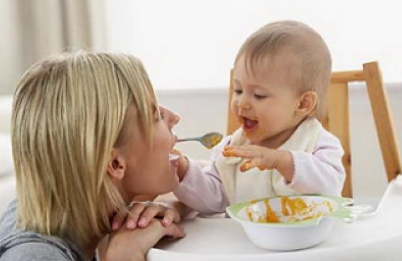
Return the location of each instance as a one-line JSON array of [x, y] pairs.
[[191, 44], [188, 48]]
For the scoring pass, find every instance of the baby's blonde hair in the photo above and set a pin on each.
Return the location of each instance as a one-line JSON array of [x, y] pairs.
[[69, 112], [310, 60]]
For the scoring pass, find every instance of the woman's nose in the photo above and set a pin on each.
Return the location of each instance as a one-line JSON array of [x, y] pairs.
[[174, 118]]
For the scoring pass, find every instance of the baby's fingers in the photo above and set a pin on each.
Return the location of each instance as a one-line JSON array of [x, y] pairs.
[[247, 166], [252, 164], [233, 152]]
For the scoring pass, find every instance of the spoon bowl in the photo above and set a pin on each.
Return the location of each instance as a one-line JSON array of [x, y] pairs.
[[209, 140]]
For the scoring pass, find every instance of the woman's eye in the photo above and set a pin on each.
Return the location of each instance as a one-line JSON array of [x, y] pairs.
[[161, 115], [238, 91]]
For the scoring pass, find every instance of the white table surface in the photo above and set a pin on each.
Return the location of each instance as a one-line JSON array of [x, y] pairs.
[[376, 237]]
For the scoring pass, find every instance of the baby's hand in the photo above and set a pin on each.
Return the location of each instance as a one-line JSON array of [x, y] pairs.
[[142, 213], [182, 164], [257, 156]]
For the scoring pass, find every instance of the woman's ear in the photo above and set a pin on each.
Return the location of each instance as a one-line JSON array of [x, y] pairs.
[[116, 166], [307, 103]]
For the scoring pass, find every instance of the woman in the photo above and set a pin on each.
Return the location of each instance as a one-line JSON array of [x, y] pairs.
[[88, 136]]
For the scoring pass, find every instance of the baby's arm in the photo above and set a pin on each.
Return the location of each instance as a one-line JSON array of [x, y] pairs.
[[201, 189], [200, 186], [321, 172]]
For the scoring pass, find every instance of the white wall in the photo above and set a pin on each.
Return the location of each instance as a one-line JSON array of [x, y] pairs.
[[10, 60], [192, 44]]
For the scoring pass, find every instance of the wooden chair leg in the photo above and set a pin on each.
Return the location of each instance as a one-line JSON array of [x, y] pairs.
[[382, 118]]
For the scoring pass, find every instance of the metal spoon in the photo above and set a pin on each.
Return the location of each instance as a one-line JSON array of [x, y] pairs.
[[209, 140]]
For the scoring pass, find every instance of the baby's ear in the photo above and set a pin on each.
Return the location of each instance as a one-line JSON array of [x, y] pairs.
[[307, 103], [116, 166]]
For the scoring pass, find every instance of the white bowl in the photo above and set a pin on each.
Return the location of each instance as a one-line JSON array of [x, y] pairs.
[[310, 226]]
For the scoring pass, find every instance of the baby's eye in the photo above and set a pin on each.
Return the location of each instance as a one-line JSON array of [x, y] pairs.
[[260, 97], [238, 91]]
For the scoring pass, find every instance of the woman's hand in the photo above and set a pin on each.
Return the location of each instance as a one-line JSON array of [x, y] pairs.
[[133, 244], [142, 213]]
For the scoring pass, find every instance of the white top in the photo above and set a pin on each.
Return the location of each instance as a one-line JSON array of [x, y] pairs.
[[370, 238], [318, 171]]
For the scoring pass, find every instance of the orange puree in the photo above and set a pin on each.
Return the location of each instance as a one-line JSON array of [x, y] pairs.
[[295, 209]]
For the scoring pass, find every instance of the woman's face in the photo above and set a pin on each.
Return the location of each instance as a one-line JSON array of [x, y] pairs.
[[147, 168]]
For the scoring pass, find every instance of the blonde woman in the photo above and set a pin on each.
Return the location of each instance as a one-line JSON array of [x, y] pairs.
[[88, 135]]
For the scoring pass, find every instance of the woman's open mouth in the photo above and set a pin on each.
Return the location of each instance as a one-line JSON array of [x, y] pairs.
[[174, 160], [173, 157]]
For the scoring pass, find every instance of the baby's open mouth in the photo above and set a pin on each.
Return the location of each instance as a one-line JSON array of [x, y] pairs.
[[248, 124]]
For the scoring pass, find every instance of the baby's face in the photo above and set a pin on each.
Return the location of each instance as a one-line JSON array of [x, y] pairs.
[[265, 103]]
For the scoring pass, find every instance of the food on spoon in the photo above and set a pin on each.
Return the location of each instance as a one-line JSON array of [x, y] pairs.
[[211, 141]]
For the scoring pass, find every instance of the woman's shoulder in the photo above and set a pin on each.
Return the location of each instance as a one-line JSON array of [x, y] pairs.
[[21, 245], [33, 251]]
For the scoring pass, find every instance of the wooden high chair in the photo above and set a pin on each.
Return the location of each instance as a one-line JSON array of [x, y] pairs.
[[337, 119]]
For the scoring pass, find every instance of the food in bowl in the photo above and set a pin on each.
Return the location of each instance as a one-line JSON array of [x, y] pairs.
[[290, 223], [290, 209]]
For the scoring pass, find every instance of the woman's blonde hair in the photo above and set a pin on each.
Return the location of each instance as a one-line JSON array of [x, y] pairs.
[[309, 60], [69, 112]]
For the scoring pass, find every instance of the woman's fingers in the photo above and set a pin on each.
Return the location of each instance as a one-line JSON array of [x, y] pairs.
[[175, 231], [131, 219], [133, 244], [158, 209], [170, 216], [142, 213], [117, 221]]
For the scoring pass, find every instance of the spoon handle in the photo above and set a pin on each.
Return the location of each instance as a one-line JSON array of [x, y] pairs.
[[188, 139]]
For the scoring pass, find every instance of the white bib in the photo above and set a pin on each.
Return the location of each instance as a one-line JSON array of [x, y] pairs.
[[254, 183]]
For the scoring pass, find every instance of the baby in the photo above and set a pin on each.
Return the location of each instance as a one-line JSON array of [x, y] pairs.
[[280, 78]]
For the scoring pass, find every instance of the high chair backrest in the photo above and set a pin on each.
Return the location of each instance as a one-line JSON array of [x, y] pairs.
[[337, 119]]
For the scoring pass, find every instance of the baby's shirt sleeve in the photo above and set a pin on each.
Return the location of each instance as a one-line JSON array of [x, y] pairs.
[[322, 171], [201, 188]]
